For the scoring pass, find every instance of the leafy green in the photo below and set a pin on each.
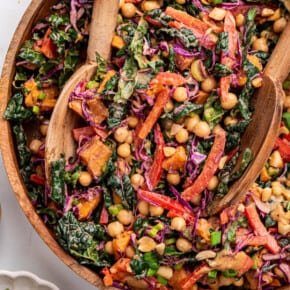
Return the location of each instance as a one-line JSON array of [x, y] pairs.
[[30, 55], [221, 70], [22, 149], [222, 44], [127, 81], [286, 119], [101, 67], [81, 239], [250, 25], [213, 111], [157, 14], [57, 181], [171, 57], [116, 114], [144, 265], [137, 43], [184, 34], [15, 110]]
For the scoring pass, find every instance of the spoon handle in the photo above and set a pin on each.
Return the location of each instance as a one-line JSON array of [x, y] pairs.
[[278, 66], [102, 29]]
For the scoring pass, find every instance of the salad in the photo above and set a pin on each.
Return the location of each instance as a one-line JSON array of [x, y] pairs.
[[158, 141]]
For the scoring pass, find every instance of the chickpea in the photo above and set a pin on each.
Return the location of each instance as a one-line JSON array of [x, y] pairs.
[[121, 134], [213, 183], [190, 122], [217, 14], [43, 129], [183, 245], [276, 160], [155, 210], [173, 178], [137, 180], [196, 70], [146, 244], [129, 138], [180, 94], [165, 272], [260, 44], [160, 248], [114, 229], [109, 247], [125, 217], [143, 207], [201, 129], [132, 121], [169, 151], [124, 150], [150, 5], [178, 224], [34, 146], [181, 136], [121, 3], [229, 120], [266, 194], [240, 20], [85, 178], [208, 84], [279, 25], [130, 252], [230, 102], [128, 10], [169, 106]]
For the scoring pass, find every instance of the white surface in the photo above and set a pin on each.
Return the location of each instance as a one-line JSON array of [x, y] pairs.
[[20, 247], [23, 280]]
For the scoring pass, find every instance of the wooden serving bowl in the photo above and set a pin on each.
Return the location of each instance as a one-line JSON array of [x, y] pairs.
[[36, 10]]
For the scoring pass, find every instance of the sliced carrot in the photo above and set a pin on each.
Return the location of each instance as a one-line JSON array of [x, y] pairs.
[[161, 100], [209, 168]]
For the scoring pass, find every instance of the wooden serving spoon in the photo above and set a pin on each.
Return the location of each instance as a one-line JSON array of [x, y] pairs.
[[59, 138], [262, 132]]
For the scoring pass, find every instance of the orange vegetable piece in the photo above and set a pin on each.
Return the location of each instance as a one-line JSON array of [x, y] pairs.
[[32, 93], [98, 109], [176, 161], [95, 155], [121, 243], [106, 78], [46, 45], [118, 42], [87, 205]]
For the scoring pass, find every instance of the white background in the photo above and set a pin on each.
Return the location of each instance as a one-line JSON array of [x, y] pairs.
[[20, 247]]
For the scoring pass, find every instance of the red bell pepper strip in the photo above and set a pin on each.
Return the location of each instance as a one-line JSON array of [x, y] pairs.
[[46, 46], [283, 146], [155, 171], [161, 100], [198, 27], [209, 168], [37, 179], [172, 205], [104, 217], [228, 58], [259, 228], [198, 273]]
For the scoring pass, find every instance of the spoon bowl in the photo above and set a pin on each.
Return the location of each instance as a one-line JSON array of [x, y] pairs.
[[59, 139], [262, 132]]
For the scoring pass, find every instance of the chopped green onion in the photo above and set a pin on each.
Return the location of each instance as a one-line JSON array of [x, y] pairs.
[[41, 96], [212, 274], [170, 241], [115, 209], [35, 109], [286, 85], [178, 266], [151, 272], [230, 273], [217, 1], [153, 232], [162, 280], [92, 85], [215, 238], [286, 119]]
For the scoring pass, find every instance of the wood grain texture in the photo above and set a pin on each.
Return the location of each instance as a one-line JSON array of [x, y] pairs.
[[36, 10], [262, 132]]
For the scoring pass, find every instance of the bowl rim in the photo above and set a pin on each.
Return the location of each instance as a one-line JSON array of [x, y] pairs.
[[27, 274], [34, 11]]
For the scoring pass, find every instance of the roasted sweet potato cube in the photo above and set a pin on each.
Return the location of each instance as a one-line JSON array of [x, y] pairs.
[[98, 109], [183, 62], [121, 243], [176, 161], [87, 205], [76, 105], [95, 156]]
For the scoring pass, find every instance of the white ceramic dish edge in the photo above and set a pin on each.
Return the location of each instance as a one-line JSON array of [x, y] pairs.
[[23, 280]]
